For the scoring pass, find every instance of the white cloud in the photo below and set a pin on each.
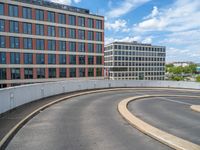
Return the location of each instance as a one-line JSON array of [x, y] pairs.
[[77, 1], [182, 15], [148, 40], [66, 2], [117, 25], [123, 39], [152, 23], [125, 7], [154, 13]]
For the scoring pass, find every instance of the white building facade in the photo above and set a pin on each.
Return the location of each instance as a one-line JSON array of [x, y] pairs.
[[134, 61]]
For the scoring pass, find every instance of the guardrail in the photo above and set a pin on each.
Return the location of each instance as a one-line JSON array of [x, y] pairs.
[[15, 96]]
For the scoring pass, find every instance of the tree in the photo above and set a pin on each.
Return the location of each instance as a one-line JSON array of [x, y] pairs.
[[177, 78], [198, 78]]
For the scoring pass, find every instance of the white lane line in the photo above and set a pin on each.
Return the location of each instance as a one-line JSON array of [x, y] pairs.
[[171, 100]]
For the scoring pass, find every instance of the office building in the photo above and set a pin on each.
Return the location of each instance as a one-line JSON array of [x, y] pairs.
[[44, 41], [134, 61]]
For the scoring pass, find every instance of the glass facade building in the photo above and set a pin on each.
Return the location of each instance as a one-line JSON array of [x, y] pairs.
[[44, 41], [134, 61]]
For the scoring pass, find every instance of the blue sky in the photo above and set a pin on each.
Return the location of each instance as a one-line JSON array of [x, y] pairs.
[[171, 23]]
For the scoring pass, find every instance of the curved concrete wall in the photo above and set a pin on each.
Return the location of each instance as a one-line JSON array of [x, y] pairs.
[[16, 96]]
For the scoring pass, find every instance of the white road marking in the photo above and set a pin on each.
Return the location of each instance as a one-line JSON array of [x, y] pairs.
[[171, 100]]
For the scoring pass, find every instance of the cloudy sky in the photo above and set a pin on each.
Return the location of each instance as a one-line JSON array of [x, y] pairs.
[[171, 23]]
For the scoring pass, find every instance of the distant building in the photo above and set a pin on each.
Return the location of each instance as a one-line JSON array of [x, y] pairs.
[[134, 61], [43, 41], [182, 64]]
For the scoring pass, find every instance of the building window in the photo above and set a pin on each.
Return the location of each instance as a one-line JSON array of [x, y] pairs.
[[40, 73], [27, 28], [72, 72], [62, 59], [14, 42], [72, 59], [72, 33], [28, 58], [99, 60], [81, 59], [15, 73], [14, 58], [40, 59], [13, 10], [2, 25], [98, 24], [2, 41], [51, 16], [1, 9], [51, 31], [72, 46], [99, 48], [14, 26], [27, 13], [28, 73], [90, 35], [72, 20], [98, 72], [62, 18], [39, 28], [62, 72], [27, 43], [62, 32], [2, 73], [2, 57], [90, 60], [81, 21], [81, 34], [98, 36], [39, 44], [90, 47], [52, 72], [52, 45], [90, 72], [51, 59], [81, 72], [62, 46], [81, 47], [39, 14], [90, 23]]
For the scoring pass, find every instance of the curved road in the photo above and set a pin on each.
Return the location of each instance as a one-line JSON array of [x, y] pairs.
[[86, 123], [171, 114]]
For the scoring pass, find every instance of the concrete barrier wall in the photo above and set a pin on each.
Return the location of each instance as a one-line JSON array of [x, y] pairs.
[[16, 96]]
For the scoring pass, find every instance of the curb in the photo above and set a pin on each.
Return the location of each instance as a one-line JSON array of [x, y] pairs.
[[162, 136], [195, 108]]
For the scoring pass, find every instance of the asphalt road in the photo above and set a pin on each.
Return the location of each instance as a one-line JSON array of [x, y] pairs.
[[86, 123], [171, 114]]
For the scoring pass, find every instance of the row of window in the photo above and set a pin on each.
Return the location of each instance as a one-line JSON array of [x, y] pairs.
[[51, 31], [134, 58], [135, 78], [130, 53], [138, 73], [27, 13], [161, 69], [51, 45], [141, 48], [28, 73], [153, 64], [40, 59]]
